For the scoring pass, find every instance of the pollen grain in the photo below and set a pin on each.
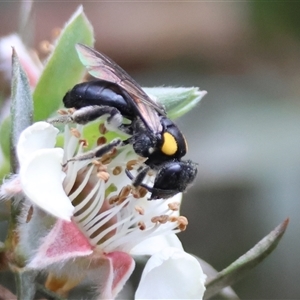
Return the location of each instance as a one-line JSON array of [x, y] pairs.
[[117, 170]]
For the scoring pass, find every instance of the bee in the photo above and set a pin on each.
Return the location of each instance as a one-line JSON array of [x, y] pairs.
[[152, 134]]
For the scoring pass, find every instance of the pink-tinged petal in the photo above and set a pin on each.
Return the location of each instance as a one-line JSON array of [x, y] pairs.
[[123, 266], [63, 242], [41, 179], [112, 272], [40, 135], [175, 274], [156, 244]]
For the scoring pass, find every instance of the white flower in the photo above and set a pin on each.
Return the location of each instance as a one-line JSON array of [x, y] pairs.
[[98, 220], [180, 273]]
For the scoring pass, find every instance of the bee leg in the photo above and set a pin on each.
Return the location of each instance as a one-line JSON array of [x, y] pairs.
[[97, 152], [64, 119], [87, 114], [137, 181], [126, 128]]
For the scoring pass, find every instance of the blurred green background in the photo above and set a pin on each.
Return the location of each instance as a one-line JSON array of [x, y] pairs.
[[244, 134]]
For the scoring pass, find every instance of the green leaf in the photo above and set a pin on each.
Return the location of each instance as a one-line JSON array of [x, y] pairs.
[[245, 263], [21, 107], [177, 101], [63, 69]]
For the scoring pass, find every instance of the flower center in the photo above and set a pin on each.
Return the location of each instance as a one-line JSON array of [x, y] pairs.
[[109, 211]]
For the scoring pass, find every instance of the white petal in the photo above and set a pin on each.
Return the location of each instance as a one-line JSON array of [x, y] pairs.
[[171, 274], [41, 179], [40, 135], [156, 244]]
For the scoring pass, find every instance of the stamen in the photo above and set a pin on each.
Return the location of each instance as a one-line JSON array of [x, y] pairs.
[[106, 159], [125, 191], [114, 199], [117, 170], [139, 192], [174, 206], [82, 185], [163, 219], [84, 143], [75, 132], [101, 140], [102, 128], [140, 210], [117, 222], [183, 222], [89, 205], [141, 225], [130, 164], [62, 112], [71, 111], [112, 212]]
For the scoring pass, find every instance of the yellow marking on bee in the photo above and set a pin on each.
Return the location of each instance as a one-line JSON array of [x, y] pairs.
[[169, 146]]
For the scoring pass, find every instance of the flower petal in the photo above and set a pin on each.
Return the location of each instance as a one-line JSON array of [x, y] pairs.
[[41, 179], [174, 273], [156, 244], [63, 242], [123, 265], [40, 135]]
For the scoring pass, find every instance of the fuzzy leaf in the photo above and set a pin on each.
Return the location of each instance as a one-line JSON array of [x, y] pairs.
[[246, 262], [63, 69], [21, 106], [177, 101]]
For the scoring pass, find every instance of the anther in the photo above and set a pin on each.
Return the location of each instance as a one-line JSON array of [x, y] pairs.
[[117, 170], [121, 200], [173, 218], [125, 191], [83, 142], [174, 206], [103, 175], [130, 164], [102, 128], [182, 223], [140, 210], [106, 159], [142, 192], [160, 219], [113, 199], [71, 111], [75, 132], [62, 112], [142, 225], [101, 141]]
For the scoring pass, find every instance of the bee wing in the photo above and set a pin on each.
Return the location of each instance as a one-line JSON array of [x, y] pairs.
[[102, 67]]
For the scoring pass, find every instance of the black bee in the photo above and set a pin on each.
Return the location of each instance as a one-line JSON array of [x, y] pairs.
[[152, 134]]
